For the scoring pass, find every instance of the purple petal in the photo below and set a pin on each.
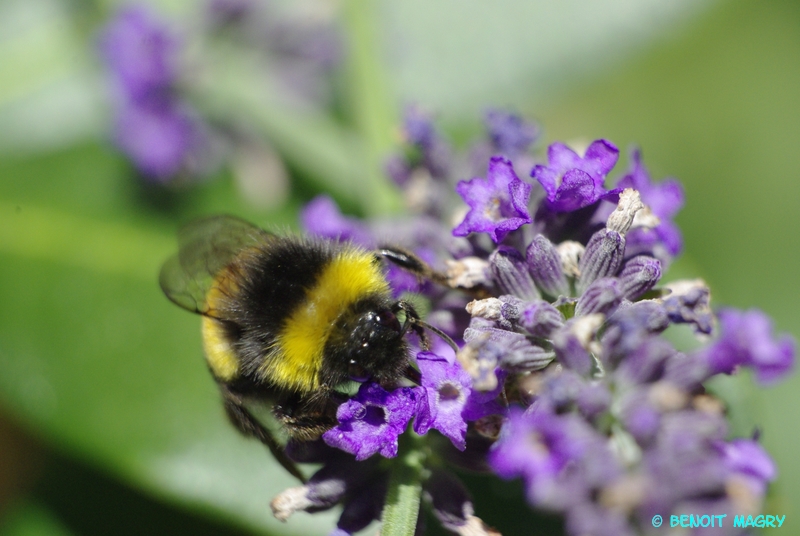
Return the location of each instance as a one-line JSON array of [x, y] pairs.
[[572, 182], [321, 217], [749, 457], [140, 51], [746, 339], [498, 204], [158, 140], [372, 421], [446, 388]]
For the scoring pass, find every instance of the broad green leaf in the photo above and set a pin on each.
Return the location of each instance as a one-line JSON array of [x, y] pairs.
[[31, 519], [94, 357]]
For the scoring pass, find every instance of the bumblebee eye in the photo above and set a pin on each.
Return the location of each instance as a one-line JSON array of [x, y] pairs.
[[357, 372], [388, 319]]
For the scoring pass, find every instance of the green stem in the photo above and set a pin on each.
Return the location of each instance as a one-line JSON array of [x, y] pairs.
[[374, 107], [403, 497], [309, 139]]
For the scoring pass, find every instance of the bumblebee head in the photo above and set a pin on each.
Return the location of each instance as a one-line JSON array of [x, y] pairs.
[[377, 336], [367, 343]]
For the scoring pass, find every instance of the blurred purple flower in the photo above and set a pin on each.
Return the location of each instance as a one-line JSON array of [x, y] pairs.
[[141, 53], [160, 133], [159, 140], [560, 457], [322, 217], [747, 458], [746, 340], [509, 134]]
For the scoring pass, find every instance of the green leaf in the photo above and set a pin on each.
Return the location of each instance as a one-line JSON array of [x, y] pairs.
[[373, 103], [32, 519], [97, 361]]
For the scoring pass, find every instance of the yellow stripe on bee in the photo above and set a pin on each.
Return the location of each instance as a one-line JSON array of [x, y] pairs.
[[351, 275], [219, 354]]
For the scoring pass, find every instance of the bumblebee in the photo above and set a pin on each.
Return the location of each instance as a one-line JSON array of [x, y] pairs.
[[291, 321]]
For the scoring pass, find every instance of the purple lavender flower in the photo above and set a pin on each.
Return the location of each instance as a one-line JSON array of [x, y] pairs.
[[572, 182], [498, 204], [142, 53], [160, 133], [372, 421], [748, 460], [321, 217], [664, 199], [564, 378], [509, 134], [560, 457], [159, 139], [446, 387], [746, 339]]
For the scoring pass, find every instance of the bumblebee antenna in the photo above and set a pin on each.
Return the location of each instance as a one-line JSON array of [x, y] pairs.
[[444, 336]]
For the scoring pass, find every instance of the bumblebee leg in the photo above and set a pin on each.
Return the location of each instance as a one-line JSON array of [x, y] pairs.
[[411, 263], [419, 326], [248, 425], [412, 321], [307, 418]]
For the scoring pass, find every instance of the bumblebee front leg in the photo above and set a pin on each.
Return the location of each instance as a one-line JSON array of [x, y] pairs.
[[411, 263], [248, 425], [419, 326]]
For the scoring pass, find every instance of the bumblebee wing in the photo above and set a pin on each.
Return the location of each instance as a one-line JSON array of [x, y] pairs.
[[206, 246]]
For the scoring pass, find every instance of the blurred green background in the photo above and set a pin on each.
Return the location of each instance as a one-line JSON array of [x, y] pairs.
[[109, 422]]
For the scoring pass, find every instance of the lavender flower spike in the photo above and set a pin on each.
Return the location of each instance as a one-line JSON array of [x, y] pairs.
[[498, 203], [141, 52], [159, 132]]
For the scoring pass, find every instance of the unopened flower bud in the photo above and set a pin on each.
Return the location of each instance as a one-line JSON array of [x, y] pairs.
[[602, 258], [544, 264], [639, 275], [602, 296]]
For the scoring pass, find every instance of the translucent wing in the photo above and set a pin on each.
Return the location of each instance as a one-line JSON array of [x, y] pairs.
[[206, 246]]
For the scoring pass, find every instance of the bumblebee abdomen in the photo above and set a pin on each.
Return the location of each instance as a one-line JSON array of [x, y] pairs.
[[220, 354]]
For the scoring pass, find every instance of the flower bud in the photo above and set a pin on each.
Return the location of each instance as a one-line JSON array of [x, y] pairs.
[[511, 274], [544, 264], [639, 275], [602, 258]]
